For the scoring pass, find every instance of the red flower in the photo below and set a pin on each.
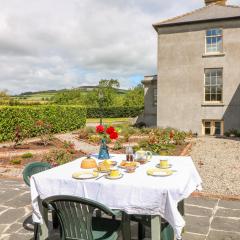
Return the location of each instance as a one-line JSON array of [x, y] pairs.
[[171, 134], [110, 130], [113, 135], [100, 129]]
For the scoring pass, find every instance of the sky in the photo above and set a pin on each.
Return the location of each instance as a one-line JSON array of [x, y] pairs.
[[56, 44]]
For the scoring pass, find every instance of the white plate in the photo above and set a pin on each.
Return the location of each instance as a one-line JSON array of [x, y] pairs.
[[160, 174], [123, 167], [156, 172], [84, 175], [113, 178]]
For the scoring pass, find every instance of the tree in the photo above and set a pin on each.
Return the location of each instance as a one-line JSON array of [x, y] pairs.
[[135, 96], [4, 95], [107, 91]]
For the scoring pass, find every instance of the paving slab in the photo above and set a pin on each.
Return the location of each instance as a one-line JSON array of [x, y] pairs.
[[3, 227], [221, 235], [226, 224], [193, 236], [21, 200], [197, 224], [11, 215], [202, 202], [226, 212], [229, 204], [199, 211], [13, 228]]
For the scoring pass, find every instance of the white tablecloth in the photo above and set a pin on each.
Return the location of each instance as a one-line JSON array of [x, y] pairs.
[[135, 193]]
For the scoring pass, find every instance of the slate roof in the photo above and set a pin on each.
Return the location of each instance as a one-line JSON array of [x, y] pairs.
[[208, 13]]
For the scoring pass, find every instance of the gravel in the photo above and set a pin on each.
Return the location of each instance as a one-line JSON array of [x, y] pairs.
[[218, 162]]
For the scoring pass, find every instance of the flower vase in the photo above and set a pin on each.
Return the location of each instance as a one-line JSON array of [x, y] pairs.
[[103, 151]]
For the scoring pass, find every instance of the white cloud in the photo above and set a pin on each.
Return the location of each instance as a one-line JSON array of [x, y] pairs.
[[53, 44]]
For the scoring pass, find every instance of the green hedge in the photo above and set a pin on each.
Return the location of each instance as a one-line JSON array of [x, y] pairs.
[[114, 112], [62, 118]]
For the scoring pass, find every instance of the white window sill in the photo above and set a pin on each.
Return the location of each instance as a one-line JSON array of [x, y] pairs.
[[214, 54], [209, 104]]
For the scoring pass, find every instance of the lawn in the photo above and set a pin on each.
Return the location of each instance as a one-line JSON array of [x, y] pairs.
[[109, 120]]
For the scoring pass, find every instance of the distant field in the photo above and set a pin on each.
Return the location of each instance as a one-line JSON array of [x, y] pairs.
[[35, 97]]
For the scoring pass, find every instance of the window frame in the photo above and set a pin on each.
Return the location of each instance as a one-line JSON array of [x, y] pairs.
[[212, 127], [206, 44], [216, 85]]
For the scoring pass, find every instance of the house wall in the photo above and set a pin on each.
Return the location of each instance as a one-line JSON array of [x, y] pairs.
[[150, 110], [181, 64]]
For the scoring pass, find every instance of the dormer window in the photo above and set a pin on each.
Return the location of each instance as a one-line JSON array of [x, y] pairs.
[[214, 40]]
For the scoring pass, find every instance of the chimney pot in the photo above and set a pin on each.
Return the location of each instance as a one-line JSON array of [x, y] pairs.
[[220, 2]]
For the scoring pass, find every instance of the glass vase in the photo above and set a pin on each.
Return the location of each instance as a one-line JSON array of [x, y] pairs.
[[103, 151]]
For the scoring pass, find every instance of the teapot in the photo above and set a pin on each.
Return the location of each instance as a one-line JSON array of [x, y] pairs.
[[143, 156]]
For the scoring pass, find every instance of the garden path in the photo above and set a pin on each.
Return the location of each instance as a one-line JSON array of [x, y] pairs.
[[78, 144]]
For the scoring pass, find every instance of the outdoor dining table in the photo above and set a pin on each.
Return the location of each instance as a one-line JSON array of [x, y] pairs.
[[134, 193]]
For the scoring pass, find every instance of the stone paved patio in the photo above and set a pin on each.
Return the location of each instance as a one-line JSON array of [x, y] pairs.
[[207, 219]]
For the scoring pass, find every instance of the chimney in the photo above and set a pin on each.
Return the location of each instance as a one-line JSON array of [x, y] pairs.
[[220, 2]]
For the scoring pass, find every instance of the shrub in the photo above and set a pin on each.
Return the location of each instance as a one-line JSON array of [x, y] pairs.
[[16, 161], [44, 130], [18, 136], [27, 155], [113, 112], [61, 118], [232, 132], [162, 141], [69, 146], [117, 145], [83, 133], [95, 138], [58, 157]]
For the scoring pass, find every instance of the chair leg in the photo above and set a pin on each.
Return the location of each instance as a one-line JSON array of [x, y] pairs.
[[141, 231], [55, 220], [126, 228], [35, 231]]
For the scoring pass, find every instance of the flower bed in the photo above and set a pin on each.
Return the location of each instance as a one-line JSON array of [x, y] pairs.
[[160, 141]]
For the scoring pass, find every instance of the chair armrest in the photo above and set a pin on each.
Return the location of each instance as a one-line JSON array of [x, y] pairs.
[[116, 212]]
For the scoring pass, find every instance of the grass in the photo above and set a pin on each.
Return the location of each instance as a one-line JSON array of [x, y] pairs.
[[35, 97], [109, 120], [27, 155]]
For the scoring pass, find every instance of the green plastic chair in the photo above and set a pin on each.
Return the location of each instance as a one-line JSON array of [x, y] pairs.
[[29, 170], [33, 168], [77, 221]]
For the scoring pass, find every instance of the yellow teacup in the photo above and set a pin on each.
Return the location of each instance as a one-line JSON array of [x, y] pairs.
[[164, 164], [114, 172]]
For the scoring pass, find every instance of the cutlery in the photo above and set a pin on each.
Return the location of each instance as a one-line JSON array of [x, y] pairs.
[[100, 177]]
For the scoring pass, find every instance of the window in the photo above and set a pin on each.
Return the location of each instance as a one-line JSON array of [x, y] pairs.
[[214, 40], [155, 96], [207, 128], [213, 85], [212, 127]]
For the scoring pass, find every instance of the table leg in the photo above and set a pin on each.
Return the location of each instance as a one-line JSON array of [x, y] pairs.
[[156, 227], [43, 228], [126, 226]]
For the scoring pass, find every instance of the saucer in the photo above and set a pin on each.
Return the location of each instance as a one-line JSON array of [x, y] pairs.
[[114, 178]]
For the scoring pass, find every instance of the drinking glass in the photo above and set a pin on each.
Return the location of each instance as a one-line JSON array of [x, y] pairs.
[[129, 153]]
